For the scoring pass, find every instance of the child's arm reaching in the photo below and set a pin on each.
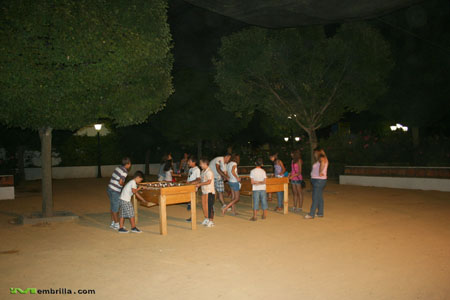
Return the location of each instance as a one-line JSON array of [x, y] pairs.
[[254, 182], [136, 193], [203, 183]]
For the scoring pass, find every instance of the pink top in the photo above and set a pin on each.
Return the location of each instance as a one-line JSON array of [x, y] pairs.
[[295, 170], [315, 173]]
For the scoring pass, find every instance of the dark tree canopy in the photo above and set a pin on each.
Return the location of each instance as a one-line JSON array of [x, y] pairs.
[[68, 63], [293, 13], [301, 74]]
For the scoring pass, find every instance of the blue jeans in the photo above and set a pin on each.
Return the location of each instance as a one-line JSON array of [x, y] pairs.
[[114, 199], [280, 197], [260, 196], [317, 196]]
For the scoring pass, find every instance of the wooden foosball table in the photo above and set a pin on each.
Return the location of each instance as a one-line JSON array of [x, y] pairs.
[[273, 185], [164, 194]]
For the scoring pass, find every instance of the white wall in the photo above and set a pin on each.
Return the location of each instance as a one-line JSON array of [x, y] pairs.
[[6, 192], [413, 183], [84, 172]]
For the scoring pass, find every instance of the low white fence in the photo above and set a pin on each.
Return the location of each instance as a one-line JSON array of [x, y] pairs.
[[84, 171], [414, 183]]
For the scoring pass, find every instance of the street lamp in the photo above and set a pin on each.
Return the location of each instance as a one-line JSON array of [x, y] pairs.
[[398, 127], [98, 127], [286, 139], [297, 138]]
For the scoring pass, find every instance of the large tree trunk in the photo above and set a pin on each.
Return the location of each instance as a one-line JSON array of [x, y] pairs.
[[147, 162], [199, 149], [312, 142], [45, 134]]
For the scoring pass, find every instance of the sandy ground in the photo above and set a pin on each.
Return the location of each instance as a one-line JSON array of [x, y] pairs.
[[373, 243]]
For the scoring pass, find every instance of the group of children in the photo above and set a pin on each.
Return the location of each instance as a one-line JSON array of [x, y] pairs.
[[211, 180]]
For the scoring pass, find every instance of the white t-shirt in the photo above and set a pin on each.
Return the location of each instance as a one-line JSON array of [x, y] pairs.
[[194, 174], [258, 174], [208, 175], [230, 166], [218, 161], [127, 191], [168, 175]]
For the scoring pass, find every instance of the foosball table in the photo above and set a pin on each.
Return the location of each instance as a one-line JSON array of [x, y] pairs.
[[164, 194], [273, 185]]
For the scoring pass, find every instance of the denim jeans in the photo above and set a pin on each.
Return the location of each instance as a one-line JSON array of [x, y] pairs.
[[257, 197], [280, 197], [114, 200], [317, 196]]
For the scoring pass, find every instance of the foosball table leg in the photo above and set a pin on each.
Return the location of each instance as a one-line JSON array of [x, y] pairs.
[[135, 206], [286, 199], [162, 215], [193, 211]]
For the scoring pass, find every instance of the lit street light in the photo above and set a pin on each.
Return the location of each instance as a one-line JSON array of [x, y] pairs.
[[98, 127], [398, 126]]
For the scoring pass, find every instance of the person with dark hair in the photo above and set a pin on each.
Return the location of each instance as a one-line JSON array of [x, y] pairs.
[[258, 178], [114, 189], [279, 170], [194, 176], [219, 167], [162, 166], [184, 166], [126, 208], [318, 182], [207, 185], [297, 180], [234, 181]]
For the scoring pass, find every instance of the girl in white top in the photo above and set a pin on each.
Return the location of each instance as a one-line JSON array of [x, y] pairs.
[[207, 185], [318, 182], [234, 183]]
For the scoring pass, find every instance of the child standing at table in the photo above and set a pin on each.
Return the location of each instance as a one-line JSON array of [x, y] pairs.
[[279, 170], [258, 177], [194, 176], [207, 185], [126, 208], [234, 181]]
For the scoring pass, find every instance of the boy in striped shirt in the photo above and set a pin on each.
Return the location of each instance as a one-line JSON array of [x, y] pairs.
[[115, 188]]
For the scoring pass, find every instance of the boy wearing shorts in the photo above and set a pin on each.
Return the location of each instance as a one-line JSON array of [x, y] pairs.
[[114, 189], [126, 208], [258, 177]]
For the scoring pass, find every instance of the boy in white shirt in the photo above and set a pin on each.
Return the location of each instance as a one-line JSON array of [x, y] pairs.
[[207, 184], [258, 177], [126, 208], [194, 176]]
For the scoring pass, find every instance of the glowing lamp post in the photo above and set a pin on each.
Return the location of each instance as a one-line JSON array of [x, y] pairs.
[[398, 127], [98, 127]]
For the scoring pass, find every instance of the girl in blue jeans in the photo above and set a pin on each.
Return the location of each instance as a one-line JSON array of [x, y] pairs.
[[318, 182], [279, 170]]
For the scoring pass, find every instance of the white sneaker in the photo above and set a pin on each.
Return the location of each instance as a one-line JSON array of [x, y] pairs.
[[229, 208], [112, 225], [116, 226], [205, 222], [210, 224]]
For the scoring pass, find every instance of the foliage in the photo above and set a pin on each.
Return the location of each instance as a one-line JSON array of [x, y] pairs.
[[302, 74], [66, 64]]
